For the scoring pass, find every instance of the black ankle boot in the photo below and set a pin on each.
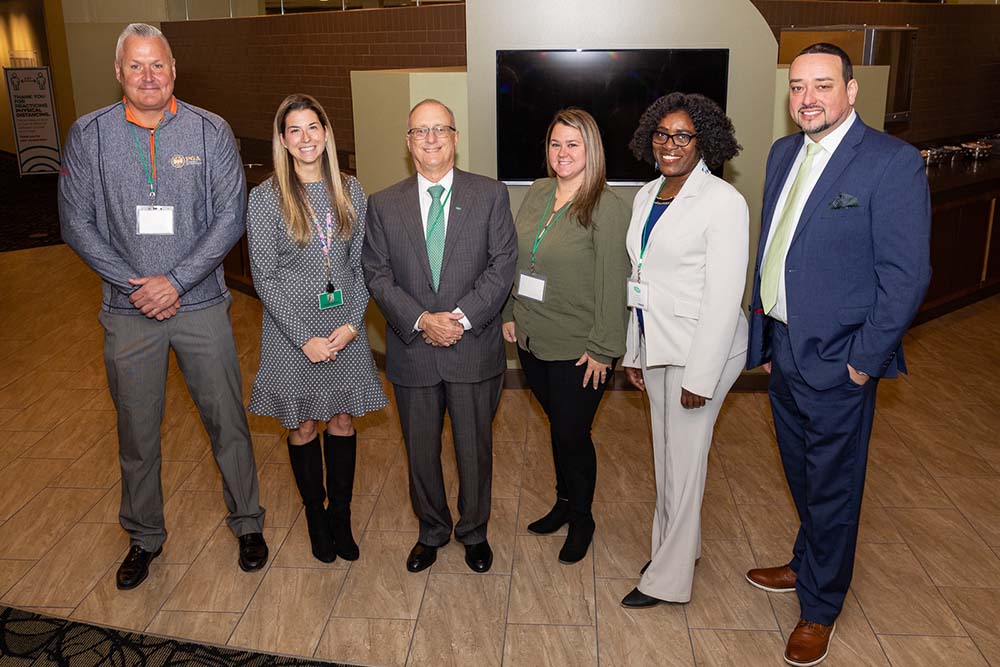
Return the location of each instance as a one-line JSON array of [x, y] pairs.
[[581, 531], [553, 521], [340, 452], [307, 465]]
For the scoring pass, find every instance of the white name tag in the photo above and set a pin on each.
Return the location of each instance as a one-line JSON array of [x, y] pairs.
[[638, 295], [158, 220], [531, 286]]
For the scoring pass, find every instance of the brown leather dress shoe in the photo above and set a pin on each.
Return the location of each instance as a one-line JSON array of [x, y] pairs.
[[809, 643], [773, 579]]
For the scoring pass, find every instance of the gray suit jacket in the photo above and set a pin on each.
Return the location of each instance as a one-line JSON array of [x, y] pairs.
[[477, 271]]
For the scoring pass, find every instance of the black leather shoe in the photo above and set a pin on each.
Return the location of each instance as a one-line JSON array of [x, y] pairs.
[[253, 552], [135, 568], [639, 600], [553, 521], [479, 557], [421, 557], [645, 567], [581, 531]]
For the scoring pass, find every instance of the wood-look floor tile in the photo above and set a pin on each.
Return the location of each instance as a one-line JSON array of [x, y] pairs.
[[98, 468], [854, 643], [205, 627], [622, 538], [366, 641], [657, 637], [451, 557], [134, 609], [624, 468], [876, 525], [11, 572], [375, 458], [939, 451], [172, 475], [721, 597], [720, 519], [43, 521], [70, 568], [721, 648], [289, 611], [50, 410], [51, 612], [6, 414], [898, 479], [543, 590], [932, 651], [979, 611], [279, 494], [509, 423], [296, 550], [73, 438], [27, 389], [550, 646], [215, 582], [978, 499], [461, 621], [183, 439], [378, 585], [17, 443], [508, 464], [771, 531], [393, 511], [191, 518], [948, 547], [896, 594], [757, 483], [22, 478], [101, 401]]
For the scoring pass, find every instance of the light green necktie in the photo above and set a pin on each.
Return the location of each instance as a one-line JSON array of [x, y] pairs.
[[435, 233], [774, 260]]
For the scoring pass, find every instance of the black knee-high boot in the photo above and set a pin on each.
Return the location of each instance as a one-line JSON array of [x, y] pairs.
[[340, 452], [307, 465]]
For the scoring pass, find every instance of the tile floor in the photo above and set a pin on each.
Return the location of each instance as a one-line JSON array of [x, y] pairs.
[[926, 588]]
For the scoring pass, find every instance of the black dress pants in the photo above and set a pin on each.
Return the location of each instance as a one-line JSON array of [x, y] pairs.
[[570, 407]]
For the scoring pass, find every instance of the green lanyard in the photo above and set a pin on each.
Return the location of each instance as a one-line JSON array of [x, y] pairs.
[[543, 226], [147, 164], [642, 233]]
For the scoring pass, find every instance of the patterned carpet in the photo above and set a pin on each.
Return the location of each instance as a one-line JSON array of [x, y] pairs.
[[32, 640], [29, 215]]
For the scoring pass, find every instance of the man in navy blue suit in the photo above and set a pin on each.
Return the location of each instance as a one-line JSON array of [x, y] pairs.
[[842, 267]]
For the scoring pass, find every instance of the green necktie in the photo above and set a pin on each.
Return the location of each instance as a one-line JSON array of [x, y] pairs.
[[435, 232], [774, 260]]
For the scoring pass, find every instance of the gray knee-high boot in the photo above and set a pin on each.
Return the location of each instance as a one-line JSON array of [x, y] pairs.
[[340, 452], [307, 465]]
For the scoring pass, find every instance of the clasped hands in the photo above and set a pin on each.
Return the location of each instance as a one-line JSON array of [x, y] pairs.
[[155, 298], [441, 329], [319, 349]]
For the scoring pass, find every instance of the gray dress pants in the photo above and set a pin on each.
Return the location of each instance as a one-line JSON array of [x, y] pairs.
[[136, 354]]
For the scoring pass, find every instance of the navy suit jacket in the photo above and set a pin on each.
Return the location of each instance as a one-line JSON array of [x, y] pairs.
[[858, 264]]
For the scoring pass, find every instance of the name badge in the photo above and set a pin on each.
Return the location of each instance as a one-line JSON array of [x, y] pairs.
[[330, 299], [638, 295], [154, 220], [531, 286]]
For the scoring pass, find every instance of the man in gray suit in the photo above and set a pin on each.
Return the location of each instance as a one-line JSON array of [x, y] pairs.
[[439, 259]]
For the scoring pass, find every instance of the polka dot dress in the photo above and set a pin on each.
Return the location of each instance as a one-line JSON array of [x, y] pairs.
[[288, 279]]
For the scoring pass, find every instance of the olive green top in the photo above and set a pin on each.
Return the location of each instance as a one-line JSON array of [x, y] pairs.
[[585, 271]]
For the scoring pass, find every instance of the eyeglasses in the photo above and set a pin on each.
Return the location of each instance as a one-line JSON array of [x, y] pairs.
[[439, 131], [681, 139]]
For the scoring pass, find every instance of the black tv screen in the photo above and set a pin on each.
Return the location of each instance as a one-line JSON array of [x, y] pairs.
[[614, 86]]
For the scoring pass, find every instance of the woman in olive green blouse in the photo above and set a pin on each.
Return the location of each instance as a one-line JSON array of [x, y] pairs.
[[567, 311]]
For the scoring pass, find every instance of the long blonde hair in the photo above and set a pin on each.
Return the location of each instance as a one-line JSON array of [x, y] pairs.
[[594, 174], [292, 194]]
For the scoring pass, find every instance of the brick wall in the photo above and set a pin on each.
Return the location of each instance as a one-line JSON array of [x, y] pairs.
[[242, 68], [957, 80]]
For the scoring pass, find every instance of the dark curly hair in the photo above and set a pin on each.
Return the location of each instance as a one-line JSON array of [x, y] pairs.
[[716, 137]]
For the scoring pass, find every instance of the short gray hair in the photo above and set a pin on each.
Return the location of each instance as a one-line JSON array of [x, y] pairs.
[[143, 30], [431, 100]]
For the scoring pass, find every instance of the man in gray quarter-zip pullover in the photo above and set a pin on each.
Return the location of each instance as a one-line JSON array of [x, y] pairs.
[[152, 196]]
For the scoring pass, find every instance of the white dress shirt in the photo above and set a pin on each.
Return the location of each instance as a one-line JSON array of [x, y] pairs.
[[829, 143], [425, 208]]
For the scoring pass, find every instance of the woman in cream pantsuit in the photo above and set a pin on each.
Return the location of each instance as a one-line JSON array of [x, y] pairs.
[[687, 335]]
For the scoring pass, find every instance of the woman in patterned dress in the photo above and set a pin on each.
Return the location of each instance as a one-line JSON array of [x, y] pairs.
[[305, 227]]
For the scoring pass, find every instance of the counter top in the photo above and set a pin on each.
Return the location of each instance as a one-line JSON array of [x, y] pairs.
[[962, 174]]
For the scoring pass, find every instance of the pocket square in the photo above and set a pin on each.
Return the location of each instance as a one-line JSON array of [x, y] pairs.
[[844, 200]]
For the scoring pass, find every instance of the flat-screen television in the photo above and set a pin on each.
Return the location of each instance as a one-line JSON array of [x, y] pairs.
[[614, 86]]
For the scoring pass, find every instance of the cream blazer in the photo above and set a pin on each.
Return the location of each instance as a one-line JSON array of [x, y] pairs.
[[695, 270]]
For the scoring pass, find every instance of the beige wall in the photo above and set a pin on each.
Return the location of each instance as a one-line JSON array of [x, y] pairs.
[[631, 24]]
